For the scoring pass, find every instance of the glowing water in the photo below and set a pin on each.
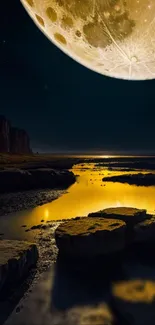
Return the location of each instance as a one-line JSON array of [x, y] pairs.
[[88, 194]]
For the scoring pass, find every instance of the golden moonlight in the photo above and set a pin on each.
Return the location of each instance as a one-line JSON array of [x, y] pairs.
[[113, 37]]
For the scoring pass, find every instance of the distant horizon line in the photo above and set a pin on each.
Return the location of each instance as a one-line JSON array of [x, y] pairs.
[[95, 152], [97, 155]]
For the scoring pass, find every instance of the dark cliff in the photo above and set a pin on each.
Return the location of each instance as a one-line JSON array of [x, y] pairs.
[[13, 140], [19, 141], [4, 135]]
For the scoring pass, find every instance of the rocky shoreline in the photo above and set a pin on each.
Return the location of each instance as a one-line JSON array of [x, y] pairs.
[[13, 179], [23, 189], [116, 287], [19, 201], [140, 179], [88, 263]]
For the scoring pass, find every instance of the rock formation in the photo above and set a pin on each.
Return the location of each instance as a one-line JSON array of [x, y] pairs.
[[13, 179], [129, 215], [16, 258], [4, 135], [139, 179], [19, 141], [13, 140], [90, 236]]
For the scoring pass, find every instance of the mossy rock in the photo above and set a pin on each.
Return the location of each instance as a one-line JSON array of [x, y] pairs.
[[16, 258], [90, 236], [130, 215]]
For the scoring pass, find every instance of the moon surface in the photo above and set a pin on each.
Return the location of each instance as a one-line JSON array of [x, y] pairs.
[[113, 37]]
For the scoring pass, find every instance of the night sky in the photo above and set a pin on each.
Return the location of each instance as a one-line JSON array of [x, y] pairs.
[[63, 105]]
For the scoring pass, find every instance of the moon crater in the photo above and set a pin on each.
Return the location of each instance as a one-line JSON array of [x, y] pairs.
[[112, 37]]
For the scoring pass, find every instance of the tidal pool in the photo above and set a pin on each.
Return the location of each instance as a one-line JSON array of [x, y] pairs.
[[88, 194]]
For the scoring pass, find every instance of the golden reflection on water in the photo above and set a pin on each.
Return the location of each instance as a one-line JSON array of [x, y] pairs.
[[89, 194]]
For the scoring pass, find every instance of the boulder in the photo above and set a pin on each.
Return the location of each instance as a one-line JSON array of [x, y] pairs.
[[90, 236], [130, 215], [4, 135], [145, 230], [134, 301], [16, 258]]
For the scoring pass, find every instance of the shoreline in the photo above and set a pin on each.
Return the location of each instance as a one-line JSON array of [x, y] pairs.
[[42, 234], [25, 188], [24, 200]]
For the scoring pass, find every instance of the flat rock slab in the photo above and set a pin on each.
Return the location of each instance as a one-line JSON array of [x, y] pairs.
[[130, 215], [90, 236], [16, 258], [145, 230], [134, 301]]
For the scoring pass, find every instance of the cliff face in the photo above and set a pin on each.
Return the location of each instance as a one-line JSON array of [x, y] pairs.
[[13, 140], [4, 135], [19, 141]]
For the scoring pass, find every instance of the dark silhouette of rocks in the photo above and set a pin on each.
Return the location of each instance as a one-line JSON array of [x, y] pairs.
[[16, 258], [14, 179], [4, 135], [19, 141], [13, 140], [125, 163], [139, 179]]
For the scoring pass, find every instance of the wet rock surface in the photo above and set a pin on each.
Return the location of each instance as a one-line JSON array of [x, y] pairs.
[[90, 237], [130, 215], [16, 258]]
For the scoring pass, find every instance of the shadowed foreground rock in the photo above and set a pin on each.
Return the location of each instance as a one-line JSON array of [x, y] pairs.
[[40, 307], [130, 215], [89, 237], [145, 230], [16, 258], [134, 301]]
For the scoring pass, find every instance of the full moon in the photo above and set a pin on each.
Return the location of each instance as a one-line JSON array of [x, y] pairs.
[[113, 37]]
